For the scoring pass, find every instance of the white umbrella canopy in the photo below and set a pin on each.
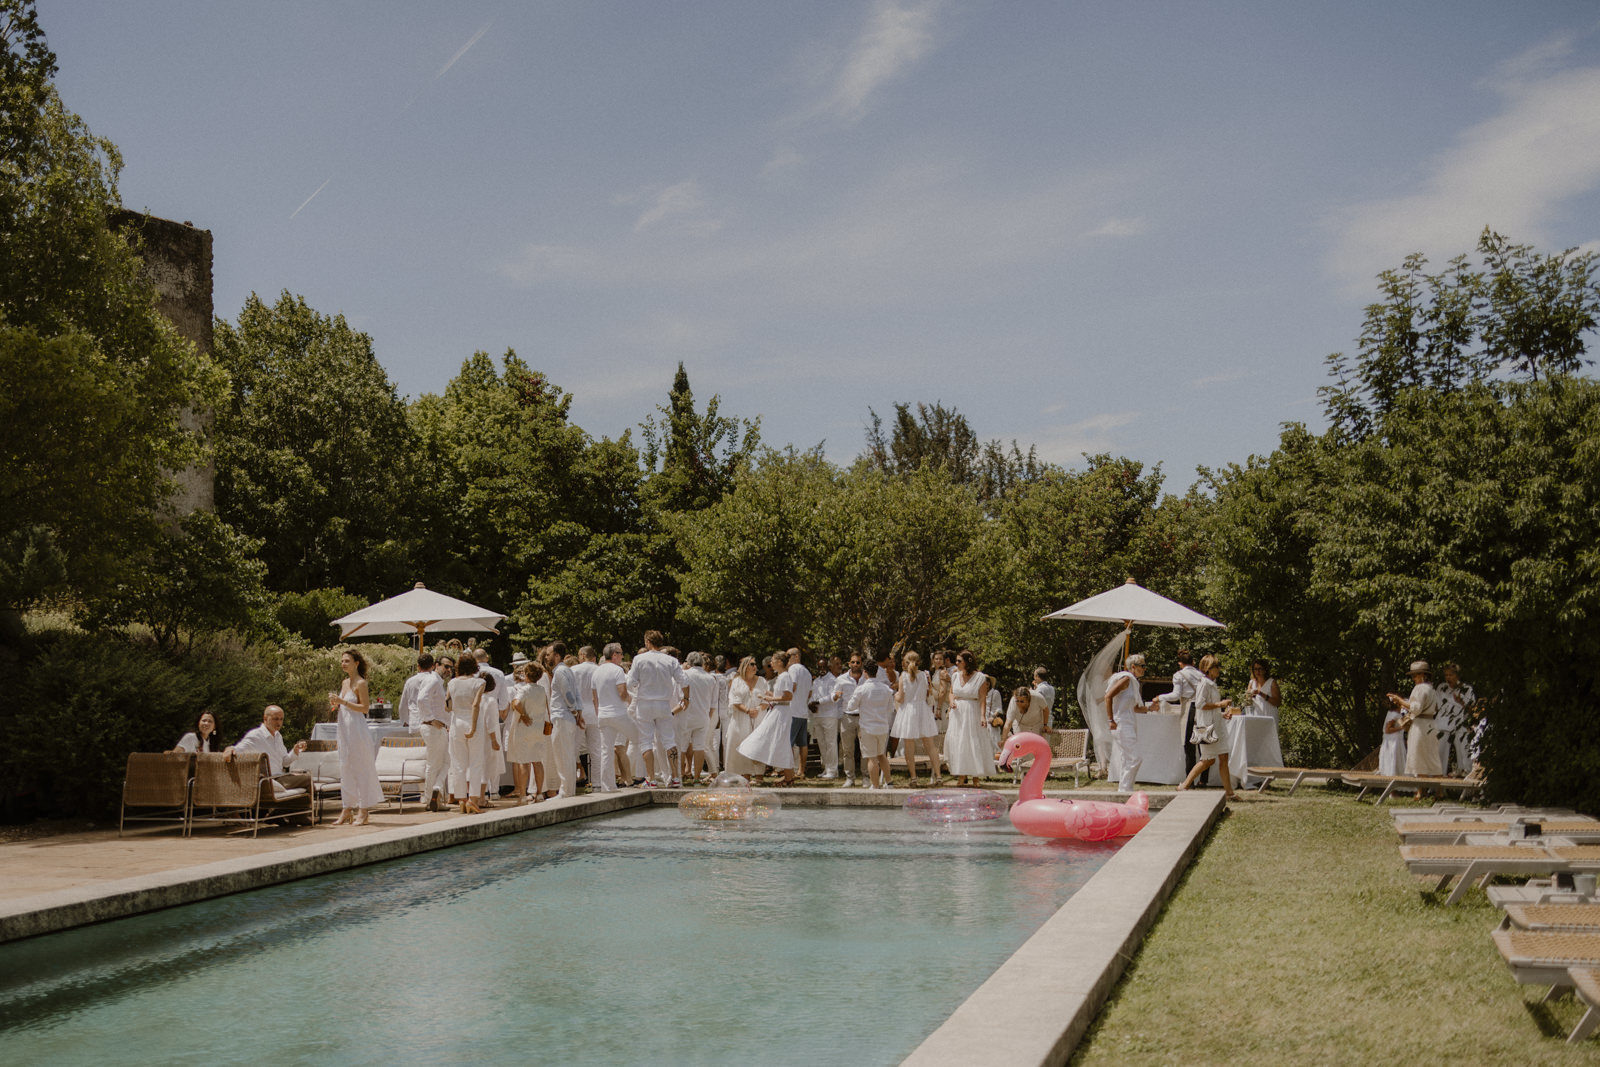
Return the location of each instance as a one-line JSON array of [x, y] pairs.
[[418, 611], [1133, 603]]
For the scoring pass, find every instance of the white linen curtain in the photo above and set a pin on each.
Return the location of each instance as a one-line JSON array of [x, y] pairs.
[[1092, 695]]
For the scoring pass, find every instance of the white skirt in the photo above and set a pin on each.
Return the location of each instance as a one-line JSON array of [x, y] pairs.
[[968, 748], [768, 743], [358, 762], [740, 726], [914, 721]]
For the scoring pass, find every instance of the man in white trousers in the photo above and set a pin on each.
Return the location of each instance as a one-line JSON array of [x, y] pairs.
[[423, 702], [584, 674], [1124, 704], [566, 717], [844, 687], [694, 725], [825, 720], [659, 688], [609, 696]]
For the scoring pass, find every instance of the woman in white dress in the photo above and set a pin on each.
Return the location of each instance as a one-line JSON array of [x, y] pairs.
[[466, 758], [1422, 709], [523, 732], [1262, 692], [768, 743], [359, 789], [968, 749], [914, 724], [1392, 755], [1211, 711], [744, 708]]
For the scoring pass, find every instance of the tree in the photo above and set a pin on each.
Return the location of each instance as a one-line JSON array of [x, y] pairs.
[[941, 437], [315, 457], [694, 458], [97, 378]]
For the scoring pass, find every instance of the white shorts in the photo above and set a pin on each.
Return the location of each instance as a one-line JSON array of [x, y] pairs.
[[651, 730], [694, 733]]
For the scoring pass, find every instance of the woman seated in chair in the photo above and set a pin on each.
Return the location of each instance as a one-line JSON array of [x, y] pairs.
[[203, 738]]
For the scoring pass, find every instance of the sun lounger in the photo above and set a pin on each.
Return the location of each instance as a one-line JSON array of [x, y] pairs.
[[1268, 775], [157, 788], [1474, 864], [1388, 783], [1586, 983], [1441, 814], [1571, 918], [1556, 890], [1579, 831]]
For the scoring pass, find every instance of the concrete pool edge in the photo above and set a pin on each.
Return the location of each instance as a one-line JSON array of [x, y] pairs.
[[64, 909], [1038, 1005]]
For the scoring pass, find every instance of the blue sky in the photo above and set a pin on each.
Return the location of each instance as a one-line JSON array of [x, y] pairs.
[[1134, 228]]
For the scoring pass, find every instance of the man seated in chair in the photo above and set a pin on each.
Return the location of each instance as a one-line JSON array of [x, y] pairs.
[[268, 738]]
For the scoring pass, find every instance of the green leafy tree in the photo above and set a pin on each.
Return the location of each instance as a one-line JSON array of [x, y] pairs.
[[315, 457], [98, 378], [940, 437], [694, 457]]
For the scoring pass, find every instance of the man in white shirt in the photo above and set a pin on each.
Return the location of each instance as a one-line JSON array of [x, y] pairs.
[[660, 688], [268, 738], [608, 697], [1124, 705], [873, 702], [825, 720], [1454, 723], [799, 711], [694, 725], [1044, 694], [423, 704], [583, 672], [1185, 685], [844, 688]]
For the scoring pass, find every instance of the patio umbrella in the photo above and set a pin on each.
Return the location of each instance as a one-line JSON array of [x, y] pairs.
[[1132, 605], [420, 610]]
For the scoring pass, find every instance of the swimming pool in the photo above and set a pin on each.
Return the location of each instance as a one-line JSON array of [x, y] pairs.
[[822, 936]]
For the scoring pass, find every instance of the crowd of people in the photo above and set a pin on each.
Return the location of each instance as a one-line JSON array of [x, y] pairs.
[[563, 720]]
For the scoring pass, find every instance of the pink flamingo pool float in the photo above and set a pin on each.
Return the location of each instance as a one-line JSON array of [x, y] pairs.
[[1086, 820]]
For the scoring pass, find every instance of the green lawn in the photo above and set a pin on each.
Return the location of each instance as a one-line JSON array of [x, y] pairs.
[[1297, 936]]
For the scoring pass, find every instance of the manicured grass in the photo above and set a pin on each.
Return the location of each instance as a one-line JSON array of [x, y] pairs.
[[1298, 937]]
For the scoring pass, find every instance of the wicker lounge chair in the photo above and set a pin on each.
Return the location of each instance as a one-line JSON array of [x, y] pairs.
[[402, 767], [1069, 751], [1474, 864], [1268, 775], [157, 787], [1564, 961], [237, 792]]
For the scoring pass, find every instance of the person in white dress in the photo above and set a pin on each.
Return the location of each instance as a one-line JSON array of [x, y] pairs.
[[968, 746], [1392, 753], [1422, 711], [359, 788], [1211, 711], [744, 708], [768, 743], [465, 694], [1124, 704], [914, 724], [523, 730], [1262, 692]]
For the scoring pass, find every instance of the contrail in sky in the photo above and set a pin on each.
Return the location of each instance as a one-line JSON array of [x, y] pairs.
[[464, 49], [312, 197]]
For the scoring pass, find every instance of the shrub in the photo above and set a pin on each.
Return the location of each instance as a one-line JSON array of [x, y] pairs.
[[311, 614]]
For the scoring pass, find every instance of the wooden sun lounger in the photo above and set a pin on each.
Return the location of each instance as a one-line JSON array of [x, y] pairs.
[[1473, 864], [1537, 891], [1586, 983], [1560, 959], [1463, 787], [1571, 918], [1268, 775], [1579, 831]]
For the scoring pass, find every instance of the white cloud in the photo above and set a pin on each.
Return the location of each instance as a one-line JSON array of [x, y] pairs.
[[536, 264], [682, 205], [1065, 444], [1121, 227], [895, 37], [1511, 172]]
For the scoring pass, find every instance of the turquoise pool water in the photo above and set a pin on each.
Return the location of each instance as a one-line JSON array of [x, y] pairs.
[[823, 936]]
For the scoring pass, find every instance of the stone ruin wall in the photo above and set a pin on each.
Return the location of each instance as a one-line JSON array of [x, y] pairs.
[[177, 261]]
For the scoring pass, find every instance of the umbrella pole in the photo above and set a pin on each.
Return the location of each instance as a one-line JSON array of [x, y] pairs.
[[422, 630]]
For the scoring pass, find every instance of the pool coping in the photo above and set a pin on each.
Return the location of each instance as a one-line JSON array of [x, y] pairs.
[[1038, 1005]]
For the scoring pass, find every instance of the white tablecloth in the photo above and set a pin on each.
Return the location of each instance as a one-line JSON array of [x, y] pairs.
[[1161, 738], [1251, 739], [329, 731]]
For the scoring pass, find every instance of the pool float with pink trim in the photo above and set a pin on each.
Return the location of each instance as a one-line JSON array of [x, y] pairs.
[[1086, 820]]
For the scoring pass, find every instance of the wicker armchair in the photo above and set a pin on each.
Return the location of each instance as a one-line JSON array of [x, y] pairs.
[[1069, 750], [157, 785], [238, 792]]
